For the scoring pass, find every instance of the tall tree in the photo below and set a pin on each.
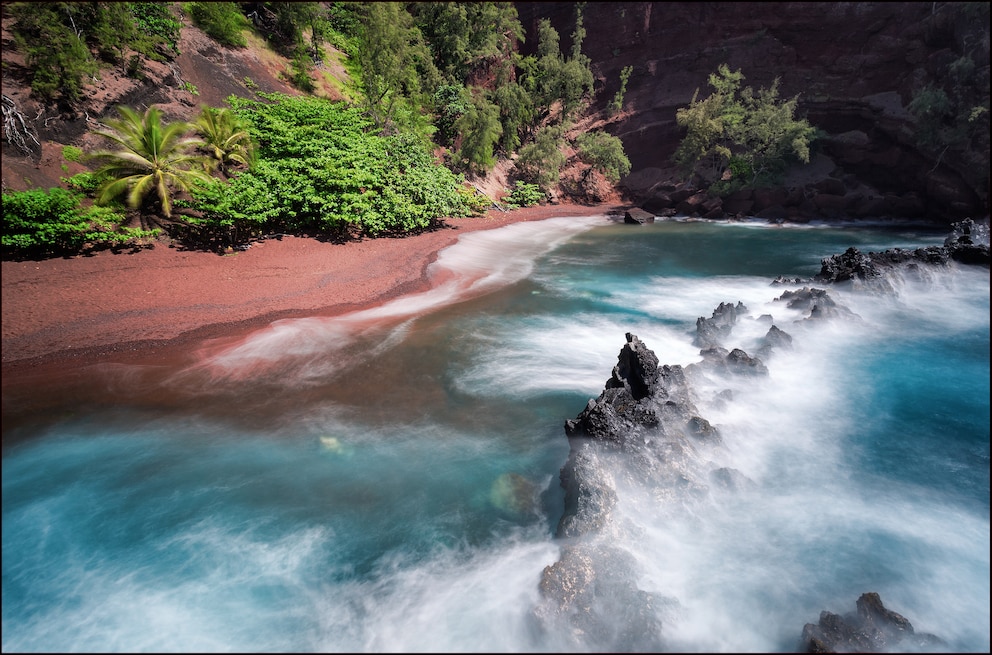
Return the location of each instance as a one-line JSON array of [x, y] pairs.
[[480, 129], [750, 133], [603, 152], [389, 52], [464, 36], [152, 158]]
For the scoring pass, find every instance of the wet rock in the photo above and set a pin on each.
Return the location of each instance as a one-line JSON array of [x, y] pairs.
[[871, 629], [637, 216], [714, 330], [590, 597], [816, 303], [736, 362]]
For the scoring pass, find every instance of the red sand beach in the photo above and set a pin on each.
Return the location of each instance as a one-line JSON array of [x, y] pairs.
[[66, 312]]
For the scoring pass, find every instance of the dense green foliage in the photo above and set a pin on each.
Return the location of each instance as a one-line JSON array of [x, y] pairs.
[[604, 153], [742, 134], [523, 194], [151, 158], [156, 26], [40, 223], [225, 138], [431, 80], [481, 130], [541, 161], [464, 37], [222, 21], [322, 169], [59, 39]]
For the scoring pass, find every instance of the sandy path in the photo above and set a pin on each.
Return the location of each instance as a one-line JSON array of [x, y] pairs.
[[78, 310]]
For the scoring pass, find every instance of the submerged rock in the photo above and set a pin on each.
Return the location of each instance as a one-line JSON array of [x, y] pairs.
[[514, 496], [816, 304], [871, 629]]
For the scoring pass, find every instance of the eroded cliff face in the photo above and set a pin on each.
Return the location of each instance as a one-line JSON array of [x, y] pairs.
[[854, 65]]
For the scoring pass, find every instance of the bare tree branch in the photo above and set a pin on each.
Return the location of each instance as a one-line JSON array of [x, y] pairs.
[[15, 128]]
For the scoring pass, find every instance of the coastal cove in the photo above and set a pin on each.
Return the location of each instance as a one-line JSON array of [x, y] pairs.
[[383, 475]]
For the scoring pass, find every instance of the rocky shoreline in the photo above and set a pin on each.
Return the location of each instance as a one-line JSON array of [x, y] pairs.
[[645, 432]]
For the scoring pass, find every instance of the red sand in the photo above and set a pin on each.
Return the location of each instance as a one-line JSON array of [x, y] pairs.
[[85, 309]]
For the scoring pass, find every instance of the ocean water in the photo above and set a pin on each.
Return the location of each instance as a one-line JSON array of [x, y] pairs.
[[388, 480]]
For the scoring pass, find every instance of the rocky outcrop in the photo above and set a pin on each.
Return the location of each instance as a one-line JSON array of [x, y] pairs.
[[644, 436], [872, 271], [870, 629]]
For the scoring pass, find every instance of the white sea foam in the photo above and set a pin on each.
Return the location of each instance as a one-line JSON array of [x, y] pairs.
[[308, 349]]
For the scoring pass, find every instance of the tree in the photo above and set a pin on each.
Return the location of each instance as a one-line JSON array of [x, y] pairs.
[[557, 86], [152, 158], [541, 161], [480, 129], [389, 52], [604, 153], [54, 49], [225, 137], [750, 134], [617, 103], [465, 36]]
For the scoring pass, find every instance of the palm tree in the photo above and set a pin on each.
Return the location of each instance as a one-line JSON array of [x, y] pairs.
[[226, 137], [153, 157]]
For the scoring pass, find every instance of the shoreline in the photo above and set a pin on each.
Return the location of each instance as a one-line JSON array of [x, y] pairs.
[[74, 312]]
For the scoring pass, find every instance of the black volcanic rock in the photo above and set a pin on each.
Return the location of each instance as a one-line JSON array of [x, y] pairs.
[[638, 216], [645, 415], [816, 303], [713, 330], [871, 629]]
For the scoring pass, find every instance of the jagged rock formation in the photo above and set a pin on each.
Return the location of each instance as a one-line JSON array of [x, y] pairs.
[[871, 629], [862, 271], [644, 436]]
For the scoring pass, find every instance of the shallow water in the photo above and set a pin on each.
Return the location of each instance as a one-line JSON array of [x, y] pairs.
[[388, 480]]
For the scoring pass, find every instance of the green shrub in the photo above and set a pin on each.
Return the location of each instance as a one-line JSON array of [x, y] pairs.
[[523, 195], [476, 201], [222, 21], [156, 25], [541, 161], [85, 182], [322, 170], [49, 223], [72, 153]]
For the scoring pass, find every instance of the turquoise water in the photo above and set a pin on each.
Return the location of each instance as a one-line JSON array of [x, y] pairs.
[[388, 480]]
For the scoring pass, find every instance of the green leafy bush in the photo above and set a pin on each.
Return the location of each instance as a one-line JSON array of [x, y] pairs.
[[41, 223], [745, 132], [541, 161], [322, 170], [156, 25], [604, 152], [523, 195], [85, 182]]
